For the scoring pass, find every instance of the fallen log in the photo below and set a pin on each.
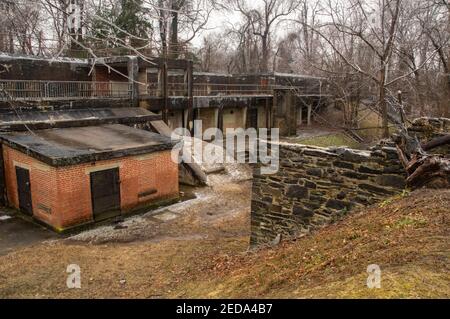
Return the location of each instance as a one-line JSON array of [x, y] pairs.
[[434, 172], [423, 169], [438, 141]]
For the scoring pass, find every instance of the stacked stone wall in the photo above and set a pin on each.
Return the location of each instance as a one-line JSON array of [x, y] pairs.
[[426, 128], [316, 186]]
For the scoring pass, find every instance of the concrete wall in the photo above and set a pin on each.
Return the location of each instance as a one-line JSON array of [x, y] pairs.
[[18, 68], [233, 118], [262, 116], [102, 74], [209, 118], [315, 186], [175, 119], [427, 128], [61, 197]]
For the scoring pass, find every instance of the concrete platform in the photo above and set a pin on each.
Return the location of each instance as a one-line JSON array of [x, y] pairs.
[[70, 146]]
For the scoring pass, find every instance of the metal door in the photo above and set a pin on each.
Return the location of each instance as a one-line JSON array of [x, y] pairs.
[[24, 190], [105, 192]]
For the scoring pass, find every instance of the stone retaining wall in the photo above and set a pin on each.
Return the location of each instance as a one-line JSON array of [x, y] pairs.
[[315, 186], [426, 128]]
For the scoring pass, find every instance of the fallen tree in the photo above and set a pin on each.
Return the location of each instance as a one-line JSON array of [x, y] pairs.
[[423, 169]]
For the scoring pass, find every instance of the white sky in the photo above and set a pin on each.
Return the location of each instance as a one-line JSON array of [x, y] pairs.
[[220, 21]]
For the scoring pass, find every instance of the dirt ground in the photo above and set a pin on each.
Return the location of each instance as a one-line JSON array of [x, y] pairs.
[[200, 249], [144, 257]]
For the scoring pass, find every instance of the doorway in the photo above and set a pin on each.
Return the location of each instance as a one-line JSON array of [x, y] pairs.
[[24, 190], [105, 192]]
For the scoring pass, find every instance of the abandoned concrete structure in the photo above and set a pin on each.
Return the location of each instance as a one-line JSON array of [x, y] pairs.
[[72, 176], [72, 152], [167, 87]]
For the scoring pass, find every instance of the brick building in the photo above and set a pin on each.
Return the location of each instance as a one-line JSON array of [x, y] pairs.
[[73, 176]]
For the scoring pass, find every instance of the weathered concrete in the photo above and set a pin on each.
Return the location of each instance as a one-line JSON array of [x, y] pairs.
[[70, 146], [17, 67], [33, 119]]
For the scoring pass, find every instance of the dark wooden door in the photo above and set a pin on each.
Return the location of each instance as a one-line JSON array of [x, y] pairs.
[[105, 192], [252, 118], [24, 190]]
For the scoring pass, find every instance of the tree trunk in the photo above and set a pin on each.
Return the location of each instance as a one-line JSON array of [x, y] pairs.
[[439, 141], [162, 29], [265, 54], [383, 104], [174, 46], [447, 113]]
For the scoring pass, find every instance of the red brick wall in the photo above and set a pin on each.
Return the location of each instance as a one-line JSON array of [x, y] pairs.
[[66, 190]]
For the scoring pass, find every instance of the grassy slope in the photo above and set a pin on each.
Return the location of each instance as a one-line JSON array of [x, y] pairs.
[[407, 237], [338, 139]]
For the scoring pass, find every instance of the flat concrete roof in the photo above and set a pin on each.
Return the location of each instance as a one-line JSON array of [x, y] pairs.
[[75, 145], [11, 120]]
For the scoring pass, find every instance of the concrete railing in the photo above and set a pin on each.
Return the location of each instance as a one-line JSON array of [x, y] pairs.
[[62, 90]]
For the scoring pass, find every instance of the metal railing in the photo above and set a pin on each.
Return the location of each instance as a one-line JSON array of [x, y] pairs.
[[208, 89], [71, 90], [173, 89], [62, 90]]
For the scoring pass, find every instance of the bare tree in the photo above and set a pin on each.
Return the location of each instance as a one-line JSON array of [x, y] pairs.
[[435, 21], [262, 20], [215, 54], [179, 22], [373, 27]]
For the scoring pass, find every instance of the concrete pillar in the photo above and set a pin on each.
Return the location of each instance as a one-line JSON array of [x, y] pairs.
[[216, 118], [160, 82], [189, 84], [244, 124], [220, 119], [142, 88], [300, 115], [309, 114], [133, 79], [165, 91], [185, 116]]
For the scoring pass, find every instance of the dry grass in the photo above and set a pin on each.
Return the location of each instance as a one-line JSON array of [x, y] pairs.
[[338, 139], [408, 237]]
